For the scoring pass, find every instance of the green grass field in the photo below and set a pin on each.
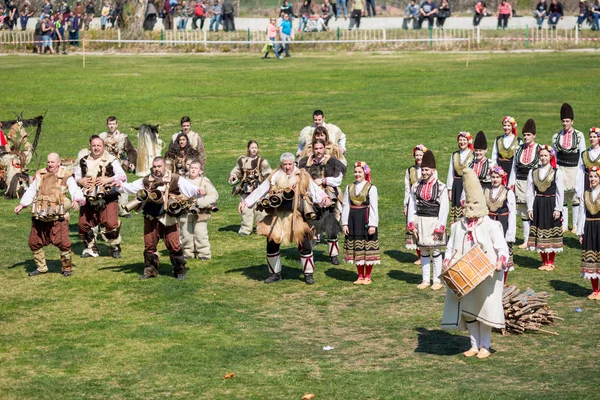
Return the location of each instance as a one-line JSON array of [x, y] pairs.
[[103, 334]]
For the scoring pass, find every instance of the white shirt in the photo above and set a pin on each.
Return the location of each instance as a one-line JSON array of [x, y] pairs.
[[117, 170], [593, 153], [512, 213], [560, 188], [335, 135], [74, 191], [373, 204], [186, 187], [462, 156], [442, 214], [507, 140], [581, 217]]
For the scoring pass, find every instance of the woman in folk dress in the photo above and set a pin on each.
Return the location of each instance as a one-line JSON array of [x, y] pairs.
[[588, 229], [460, 159]]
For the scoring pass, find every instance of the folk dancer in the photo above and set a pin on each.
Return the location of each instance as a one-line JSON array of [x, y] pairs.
[[288, 196], [502, 207], [588, 226], [525, 159], [249, 172], [154, 194], [481, 309], [459, 160], [336, 136], [480, 163], [193, 222], [327, 172], [50, 213], [118, 145], [194, 139], [360, 218], [505, 145], [96, 174], [427, 214], [545, 191], [568, 144], [589, 158]]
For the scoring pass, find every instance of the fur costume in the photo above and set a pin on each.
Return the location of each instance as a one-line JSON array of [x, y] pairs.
[[149, 146], [475, 203]]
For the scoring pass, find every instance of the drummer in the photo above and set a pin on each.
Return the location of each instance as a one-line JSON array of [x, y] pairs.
[[481, 309]]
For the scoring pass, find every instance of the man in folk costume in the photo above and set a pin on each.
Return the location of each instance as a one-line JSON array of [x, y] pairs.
[[336, 136], [289, 194], [249, 172], [50, 213], [193, 222], [118, 145], [588, 226], [460, 159], [589, 158], [427, 214], [502, 207], [155, 193], [481, 309], [481, 164], [526, 158], [96, 174], [505, 145], [568, 145], [335, 151], [194, 138], [327, 172], [412, 176]]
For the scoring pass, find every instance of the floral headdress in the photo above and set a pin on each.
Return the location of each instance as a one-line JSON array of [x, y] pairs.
[[496, 169], [550, 150], [469, 138], [420, 147], [365, 167], [593, 129], [512, 122]]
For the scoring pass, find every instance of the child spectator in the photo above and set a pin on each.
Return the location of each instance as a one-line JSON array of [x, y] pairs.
[[411, 14]]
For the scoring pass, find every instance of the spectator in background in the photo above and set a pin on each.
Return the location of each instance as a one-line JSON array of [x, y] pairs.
[[286, 31], [117, 16], [184, 10], [540, 12], [199, 14], [305, 14], [13, 15], [327, 13], [59, 33], [371, 6], [555, 13], [37, 36], [411, 14], [73, 28], [228, 12], [167, 15], [286, 7], [342, 4], [443, 13], [65, 11], [47, 31], [2, 17], [584, 12], [504, 14], [27, 12], [479, 12], [46, 8], [334, 8], [596, 15], [427, 12], [357, 9], [272, 37], [90, 10], [216, 11], [79, 9], [151, 16], [104, 14]]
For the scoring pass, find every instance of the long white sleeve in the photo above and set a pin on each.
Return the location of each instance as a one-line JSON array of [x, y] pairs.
[[187, 188], [120, 175], [513, 173], [342, 141], [512, 217], [444, 208], [530, 191], [75, 190], [373, 207], [582, 145], [497, 236], [334, 181], [29, 194], [560, 190], [258, 194], [494, 158], [131, 187], [580, 180], [317, 194], [406, 188], [449, 254], [412, 208], [580, 221], [346, 206], [450, 177]]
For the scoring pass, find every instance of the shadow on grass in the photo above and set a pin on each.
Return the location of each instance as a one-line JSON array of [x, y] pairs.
[[407, 277], [572, 289], [440, 342], [571, 242], [138, 268], [400, 256], [527, 262], [54, 266], [260, 272], [229, 228], [341, 274]]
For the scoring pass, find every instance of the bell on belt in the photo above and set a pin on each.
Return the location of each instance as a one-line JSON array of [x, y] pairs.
[[174, 207], [275, 199], [308, 210], [142, 195], [194, 210], [288, 193], [156, 196], [133, 205]]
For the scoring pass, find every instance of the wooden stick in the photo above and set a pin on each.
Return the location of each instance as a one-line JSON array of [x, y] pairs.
[[552, 333], [83, 49], [468, 50]]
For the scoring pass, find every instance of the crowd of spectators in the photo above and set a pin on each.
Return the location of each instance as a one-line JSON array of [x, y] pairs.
[[178, 14]]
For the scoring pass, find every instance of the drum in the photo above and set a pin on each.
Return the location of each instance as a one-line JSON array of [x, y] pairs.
[[468, 272]]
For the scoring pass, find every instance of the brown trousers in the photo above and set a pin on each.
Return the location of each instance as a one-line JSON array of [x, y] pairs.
[[90, 217], [154, 230], [45, 233]]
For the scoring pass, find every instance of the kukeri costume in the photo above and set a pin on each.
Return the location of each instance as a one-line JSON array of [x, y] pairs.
[[459, 160], [288, 200], [50, 216], [249, 173], [194, 140], [427, 214], [155, 195], [359, 213], [336, 136], [119, 146], [102, 205], [331, 171], [193, 222], [505, 146], [588, 226], [481, 309], [179, 159], [568, 147]]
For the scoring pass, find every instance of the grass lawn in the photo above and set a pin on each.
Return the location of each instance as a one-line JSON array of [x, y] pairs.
[[103, 334]]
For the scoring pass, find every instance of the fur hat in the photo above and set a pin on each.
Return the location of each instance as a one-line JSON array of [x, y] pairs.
[[475, 204], [529, 126], [428, 160], [480, 141], [566, 111]]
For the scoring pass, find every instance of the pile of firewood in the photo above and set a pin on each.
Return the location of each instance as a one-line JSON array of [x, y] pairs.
[[526, 311]]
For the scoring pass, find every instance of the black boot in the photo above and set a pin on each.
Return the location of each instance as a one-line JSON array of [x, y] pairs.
[[115, 252], [178, 262], [151, 261], [308, 278], [273, 278], [335, 260]]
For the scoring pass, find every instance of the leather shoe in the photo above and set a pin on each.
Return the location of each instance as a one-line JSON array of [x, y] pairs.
[[593, 296], [273, 278], [308, 278], [423, 285], [35, 273], [180, 277], [473, 351], [359, 281], [115, 254], [437, 286], [367, 281], [523, 245], [483, 353], [66, 274], [335, 260]]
